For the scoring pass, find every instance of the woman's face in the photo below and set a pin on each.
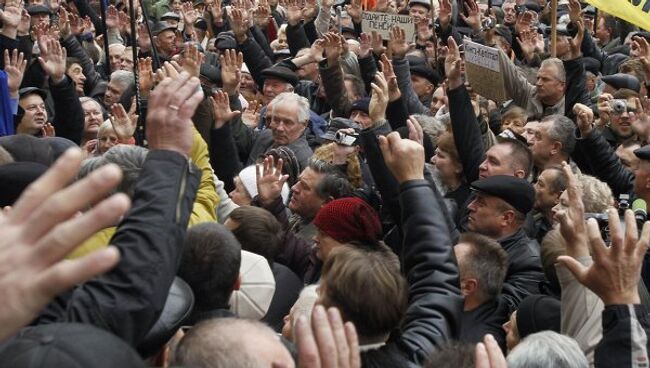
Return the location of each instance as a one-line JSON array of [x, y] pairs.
[[239, 195], [515, 124], [449, 169], [92, 117], [106, 140]]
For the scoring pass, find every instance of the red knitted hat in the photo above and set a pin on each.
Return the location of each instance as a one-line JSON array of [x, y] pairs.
[[348, 219]]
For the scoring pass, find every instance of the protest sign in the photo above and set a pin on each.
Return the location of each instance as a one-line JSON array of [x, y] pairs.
[[483, 72], [383, 22]]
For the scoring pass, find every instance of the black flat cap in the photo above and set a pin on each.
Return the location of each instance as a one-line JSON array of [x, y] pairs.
[[14, 179], [282, 73], [211, 73], [517, 192], [164, 26], [643, 153], [362, 104], [38, 9], [426, 72], [424, 3], [171, 16], [30, 90], [225, 41], [591, 65], [621, 80], [504, 32]]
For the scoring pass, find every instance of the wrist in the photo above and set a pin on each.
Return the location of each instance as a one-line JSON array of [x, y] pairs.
[[622, 298], [455, 82], [57, 79], [9, 32]]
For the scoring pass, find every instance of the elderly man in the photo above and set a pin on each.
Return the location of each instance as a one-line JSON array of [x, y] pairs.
[[121, 81]]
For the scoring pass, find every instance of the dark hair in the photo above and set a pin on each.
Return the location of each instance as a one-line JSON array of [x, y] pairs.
[[71, 60], [454, 354], [258, 231], [486, 261], [210, 264], [563, 131], [522, 156], [333, 185], [625, 93]]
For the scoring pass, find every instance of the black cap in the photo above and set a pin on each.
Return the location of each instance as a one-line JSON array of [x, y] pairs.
[[591, 65], [339, 123], [533, 6], [621, 80], [225, 40], [30, 90], [198, 2], [424, 3], [643, 153], [38, 9], [538, 313], [68, 345], [15, 177], [504, 32], [171, 16], [362, 104], [426, 72], [164, 26], [211, 73], [200, 23], [517, 192], [281, 72]]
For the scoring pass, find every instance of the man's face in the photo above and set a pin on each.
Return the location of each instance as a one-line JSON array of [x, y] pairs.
[[76, 74], [324, 245], [548, 85], [461, 250], [284, 123], [438, 100], [113, 93], [40, 19], [497, 162], [627, 156], [273, 87], [642, 179], [106, 140], [509, 13], [486, 215], [563, 46], [305, 201], [545, 197], [529, 131], [93, 117], [543, 146], [166, 42], [247, 82], [561, 205], [35, 114], [176, 6], [126, 62], [115, 57], [421, 85], [418, 12], [360, 117], [621, 123], [602, 32], [352, 94]]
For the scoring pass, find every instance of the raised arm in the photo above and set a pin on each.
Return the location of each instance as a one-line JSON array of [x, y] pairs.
[[435, 304]]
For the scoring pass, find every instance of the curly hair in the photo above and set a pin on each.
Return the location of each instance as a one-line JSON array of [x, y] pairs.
[[326, 153]]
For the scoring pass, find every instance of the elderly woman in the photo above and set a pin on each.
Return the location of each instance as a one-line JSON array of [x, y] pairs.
[[246, 188], [118, 129], [449, 170]]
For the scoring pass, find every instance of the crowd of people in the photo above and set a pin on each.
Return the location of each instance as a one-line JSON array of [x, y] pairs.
[[265, 183]]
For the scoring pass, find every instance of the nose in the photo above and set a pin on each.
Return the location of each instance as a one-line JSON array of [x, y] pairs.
[[82, 77]]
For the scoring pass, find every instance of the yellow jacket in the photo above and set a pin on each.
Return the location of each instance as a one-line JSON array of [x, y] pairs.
[[205, 204]]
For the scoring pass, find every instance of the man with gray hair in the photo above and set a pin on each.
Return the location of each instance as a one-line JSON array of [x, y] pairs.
[[547, 349], [121, 82], [553, 141]]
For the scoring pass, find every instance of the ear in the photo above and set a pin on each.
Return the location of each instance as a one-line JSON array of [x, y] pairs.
[[520, 174], [507, 218], [557, 147], [468, 286], [237, 283], [155, 41]]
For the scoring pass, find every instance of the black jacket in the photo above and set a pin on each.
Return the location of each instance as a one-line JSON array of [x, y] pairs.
[[128, 300], [524, 268], [69, 115], [488, 318], [287, 290], [435, 304], [625, 337]]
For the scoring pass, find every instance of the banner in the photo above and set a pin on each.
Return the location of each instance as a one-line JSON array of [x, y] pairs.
[[383, 22], [483, 71], [636, 12]]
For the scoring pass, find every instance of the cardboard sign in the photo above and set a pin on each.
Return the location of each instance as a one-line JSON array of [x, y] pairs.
[[483, 72], [383, 22]]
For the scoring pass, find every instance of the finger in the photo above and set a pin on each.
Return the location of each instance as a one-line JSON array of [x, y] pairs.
[[598, 247], [631, 232], [615, 231], [78, 196], [575, 267], [324, 337], [306, 344], [188, 107], [494, 352], [481, 356], [353, 341], [65, 237], [338, 330], [644, 240]]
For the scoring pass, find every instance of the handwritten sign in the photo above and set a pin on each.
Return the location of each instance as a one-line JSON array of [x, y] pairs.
[[383, 22], [483, 71]]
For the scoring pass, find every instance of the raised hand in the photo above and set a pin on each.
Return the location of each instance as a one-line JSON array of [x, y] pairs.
[[604, 109], [262, 14], [572, 219], [251, 115], [122, 124], [169, 118], [398, 45], [524, 21], [379, 99], [316, 51], [221, 107], [63, 23], [576, 42], [76, 24], [269, 179], [416, 134], [377, 43], [146, 76], [11, 16], [15, 68], [641, 118], [192, 60], [332, 44], [365, 45], [575, 11], [393, 89], [473, 18], [584, 118], [488, 354], [354, 10], [124, 21], [452, 64], [294, 12], [231, 62], [309, 10], [640, 44], [526, 41], [144, 42], [217, 11], [239, 25], [328, 343], [189, 14], [112, 18], [423, 31], [25, 23], [404, 157], [444, 13], [52, 60], [40, 231]]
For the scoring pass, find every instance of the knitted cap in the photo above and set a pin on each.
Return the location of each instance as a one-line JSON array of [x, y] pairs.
[[349, 219]]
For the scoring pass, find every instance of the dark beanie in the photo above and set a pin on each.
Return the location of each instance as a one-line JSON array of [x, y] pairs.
[[15, 177], [349, 219], [538, 313]]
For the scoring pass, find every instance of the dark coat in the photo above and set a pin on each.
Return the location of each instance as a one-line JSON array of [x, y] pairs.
[[287, 289]]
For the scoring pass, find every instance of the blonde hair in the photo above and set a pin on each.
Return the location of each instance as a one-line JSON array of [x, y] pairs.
[[105, 128], [596, 195], [326, 153]]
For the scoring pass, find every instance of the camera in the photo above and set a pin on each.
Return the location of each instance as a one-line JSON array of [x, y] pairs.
[[346, 139], [623, 205], [618, 106]]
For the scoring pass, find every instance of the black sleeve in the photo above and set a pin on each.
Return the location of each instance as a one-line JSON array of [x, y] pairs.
[[255, 59], [467, 133], [6, 43], [223, 153], [368, 67], [296, 38], [396, 114], [262, 40], [310, 31], [85, 9], [69, 115], [435, 303], [577, 80], [128, 300], [625, 337]]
